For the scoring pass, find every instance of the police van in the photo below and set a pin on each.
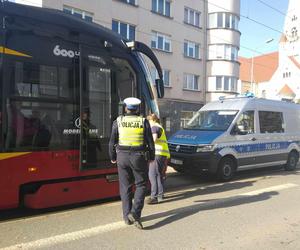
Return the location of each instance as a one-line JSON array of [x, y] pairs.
[[238, 133]]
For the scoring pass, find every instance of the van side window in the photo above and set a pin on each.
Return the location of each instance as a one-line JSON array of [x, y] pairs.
[[245, 123], [271, 122]]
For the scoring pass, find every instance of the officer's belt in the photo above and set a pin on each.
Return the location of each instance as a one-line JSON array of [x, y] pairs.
[[130, 148]]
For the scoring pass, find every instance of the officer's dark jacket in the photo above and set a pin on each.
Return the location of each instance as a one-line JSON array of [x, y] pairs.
[[148, 140]]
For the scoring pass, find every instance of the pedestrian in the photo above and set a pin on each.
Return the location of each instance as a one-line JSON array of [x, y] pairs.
[[131, 146], [157, 168]]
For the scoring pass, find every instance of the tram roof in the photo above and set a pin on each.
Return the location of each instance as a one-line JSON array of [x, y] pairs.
[[58, 17]]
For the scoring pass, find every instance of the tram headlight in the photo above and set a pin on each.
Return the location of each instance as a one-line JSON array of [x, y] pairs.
[[205, 148]]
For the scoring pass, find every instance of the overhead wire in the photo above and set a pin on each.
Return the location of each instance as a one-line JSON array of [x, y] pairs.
[[271, 7]]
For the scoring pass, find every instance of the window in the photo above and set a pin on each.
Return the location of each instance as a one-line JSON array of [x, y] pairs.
[[286, 74], [219, 83], [168, 124], [226, 83], [270, 122], [245, 123], [223, 83], [222, 52], [191, 49], [166, 76], [161, 42], [190, 82], [162, 7], [191, 17], [185, 117], [124, 29], [212, 120], [133, 2], [88, 16], [223, 20], [34, 80]]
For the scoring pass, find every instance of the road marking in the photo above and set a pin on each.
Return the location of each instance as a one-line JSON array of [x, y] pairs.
[[270, 189], [94, 231], [67, 237]]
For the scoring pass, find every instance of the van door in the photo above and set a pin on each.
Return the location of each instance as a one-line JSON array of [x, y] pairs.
[[244, 132], [271, 138]]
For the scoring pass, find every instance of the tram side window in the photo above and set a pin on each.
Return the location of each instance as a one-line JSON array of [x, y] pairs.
[[41, 109], [38, 126], [35, 80]]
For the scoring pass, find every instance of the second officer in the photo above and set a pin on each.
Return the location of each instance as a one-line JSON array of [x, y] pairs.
[[131, 146]]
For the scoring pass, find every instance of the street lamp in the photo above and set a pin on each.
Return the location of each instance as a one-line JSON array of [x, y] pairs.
[[252, 61]]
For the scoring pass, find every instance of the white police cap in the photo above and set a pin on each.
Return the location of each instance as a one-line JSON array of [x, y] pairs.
[[132, 102]]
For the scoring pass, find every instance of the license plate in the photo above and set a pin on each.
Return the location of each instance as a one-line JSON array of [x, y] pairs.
[[176, 161]]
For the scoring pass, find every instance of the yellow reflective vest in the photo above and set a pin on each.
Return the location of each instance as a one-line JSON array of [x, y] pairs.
[[161, 143], [131, 130]]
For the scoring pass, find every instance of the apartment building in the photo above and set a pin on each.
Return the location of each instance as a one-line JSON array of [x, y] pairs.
[[196, 42]]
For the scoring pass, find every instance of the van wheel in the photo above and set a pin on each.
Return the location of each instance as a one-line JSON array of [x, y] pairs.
[[226, 169], [292, 161]]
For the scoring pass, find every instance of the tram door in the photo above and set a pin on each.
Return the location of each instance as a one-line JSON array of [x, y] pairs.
[[106, 81]]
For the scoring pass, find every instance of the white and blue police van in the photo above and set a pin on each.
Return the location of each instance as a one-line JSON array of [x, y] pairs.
[[238, 133]]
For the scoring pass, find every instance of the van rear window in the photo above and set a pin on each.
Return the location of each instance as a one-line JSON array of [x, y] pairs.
[[271, 122]]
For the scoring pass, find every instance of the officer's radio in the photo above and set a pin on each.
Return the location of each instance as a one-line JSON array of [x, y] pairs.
[[147, 155], [121, 108]]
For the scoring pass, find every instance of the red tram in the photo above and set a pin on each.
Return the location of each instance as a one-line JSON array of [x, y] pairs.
[[62, 84]]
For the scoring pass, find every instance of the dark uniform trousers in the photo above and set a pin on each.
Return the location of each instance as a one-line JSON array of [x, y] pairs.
[[132, 166]]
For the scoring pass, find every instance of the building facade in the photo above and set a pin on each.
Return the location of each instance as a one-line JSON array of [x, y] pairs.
[[277, 75], [256, 72], [196, 42]]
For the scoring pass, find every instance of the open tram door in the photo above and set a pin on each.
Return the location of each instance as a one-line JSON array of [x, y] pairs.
[[106, 80]]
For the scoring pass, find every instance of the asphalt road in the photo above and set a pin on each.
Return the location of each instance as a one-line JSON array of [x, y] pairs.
[[257, 210]]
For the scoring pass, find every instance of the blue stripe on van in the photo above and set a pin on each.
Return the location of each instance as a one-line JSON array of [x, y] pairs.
[[260, 147]]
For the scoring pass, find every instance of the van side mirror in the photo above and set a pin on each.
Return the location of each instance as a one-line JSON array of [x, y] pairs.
[[159, 83]]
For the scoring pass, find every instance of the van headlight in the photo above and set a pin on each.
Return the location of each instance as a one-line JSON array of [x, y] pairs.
[[205, 148]]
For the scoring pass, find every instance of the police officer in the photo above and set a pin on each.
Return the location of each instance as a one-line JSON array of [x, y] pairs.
[[131, 146], [158, 167]]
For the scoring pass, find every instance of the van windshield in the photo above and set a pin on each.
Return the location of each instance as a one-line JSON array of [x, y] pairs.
[[218, 120]]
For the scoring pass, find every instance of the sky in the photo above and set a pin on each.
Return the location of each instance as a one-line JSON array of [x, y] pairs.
[[254, 36], [29, 2]]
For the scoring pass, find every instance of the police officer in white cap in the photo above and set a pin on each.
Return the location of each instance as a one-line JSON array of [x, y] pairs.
[[131, 146]]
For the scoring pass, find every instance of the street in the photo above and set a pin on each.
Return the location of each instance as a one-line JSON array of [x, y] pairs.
[[259, 209]]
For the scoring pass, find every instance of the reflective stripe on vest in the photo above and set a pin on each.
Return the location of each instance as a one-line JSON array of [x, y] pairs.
[[161, 144], [131, 131]]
